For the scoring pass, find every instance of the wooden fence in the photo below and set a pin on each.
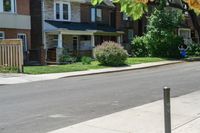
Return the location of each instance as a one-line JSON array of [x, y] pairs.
[[11, 54]]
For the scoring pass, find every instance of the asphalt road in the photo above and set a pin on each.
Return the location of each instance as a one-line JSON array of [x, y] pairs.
[[40, 107]]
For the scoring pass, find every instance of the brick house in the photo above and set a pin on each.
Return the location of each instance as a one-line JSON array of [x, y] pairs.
[[74, 26], [187, 31], [16, 23], [77, 27], [130, 27]]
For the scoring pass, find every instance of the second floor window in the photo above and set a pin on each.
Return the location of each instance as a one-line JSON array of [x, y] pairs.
[[99, 15], [96, 15], [62, 11], [8, 6]]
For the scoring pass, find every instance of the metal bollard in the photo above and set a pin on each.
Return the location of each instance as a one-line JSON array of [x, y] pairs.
[[167, 110]]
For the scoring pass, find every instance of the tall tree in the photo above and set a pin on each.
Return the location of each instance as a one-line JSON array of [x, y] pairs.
[[136, 8]]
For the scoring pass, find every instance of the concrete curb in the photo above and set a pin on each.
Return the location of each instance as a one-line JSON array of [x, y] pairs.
[[123, 69], [192, 59], [16, 79]]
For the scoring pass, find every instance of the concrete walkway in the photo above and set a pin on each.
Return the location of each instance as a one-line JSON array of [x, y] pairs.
[[24, 78], [148, 118]]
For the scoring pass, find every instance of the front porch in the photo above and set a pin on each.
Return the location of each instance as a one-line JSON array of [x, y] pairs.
[[75, 43]]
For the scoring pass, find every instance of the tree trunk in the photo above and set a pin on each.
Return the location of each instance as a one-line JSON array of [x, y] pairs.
[[195, 22]]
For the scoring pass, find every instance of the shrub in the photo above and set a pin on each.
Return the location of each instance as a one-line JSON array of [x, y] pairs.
[[160, 39], [86, 60], [64, 59], [140, 47], [168, 47], [111, 54], [194, 50]]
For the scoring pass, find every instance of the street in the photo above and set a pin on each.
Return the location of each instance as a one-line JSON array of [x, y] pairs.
[[39, 107]]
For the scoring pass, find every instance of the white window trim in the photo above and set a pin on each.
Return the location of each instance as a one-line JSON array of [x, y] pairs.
[[3, 33], [26, 42], [184, 29], [13, 7], [61, 10], [93, 14], [101, 14], [186, 40]]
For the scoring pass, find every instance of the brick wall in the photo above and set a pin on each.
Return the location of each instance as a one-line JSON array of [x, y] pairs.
[[23, 7], [118, 17], [12, 34], [85, 13]]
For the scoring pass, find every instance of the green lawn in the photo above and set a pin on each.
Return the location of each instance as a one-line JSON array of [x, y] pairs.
[[80, 67]]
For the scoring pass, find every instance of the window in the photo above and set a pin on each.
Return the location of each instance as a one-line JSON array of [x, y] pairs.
[[8, 6], [186, 34], [93, 15], [125, 17], [99, 15], [23, 37], [2, 36], [65, 11], [62, 11], [96, 14], [57, 11], [130, 34]]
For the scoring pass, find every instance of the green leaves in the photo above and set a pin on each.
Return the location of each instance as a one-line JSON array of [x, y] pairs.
[[95, 2], [132, 8]]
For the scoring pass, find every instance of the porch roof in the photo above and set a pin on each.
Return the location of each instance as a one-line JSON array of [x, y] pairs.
[[83, 27]]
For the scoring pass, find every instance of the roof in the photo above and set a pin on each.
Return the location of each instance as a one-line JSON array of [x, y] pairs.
[[81, 26]]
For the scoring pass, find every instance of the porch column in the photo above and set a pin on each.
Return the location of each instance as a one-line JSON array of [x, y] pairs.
[[60, 40], [43, 50], [93, 45], [119, 39], [59, 49]]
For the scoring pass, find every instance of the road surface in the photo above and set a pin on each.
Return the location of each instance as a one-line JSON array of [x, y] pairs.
[[39, 107]]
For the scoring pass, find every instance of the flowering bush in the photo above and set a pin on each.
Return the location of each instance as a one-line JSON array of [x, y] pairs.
[[111, 54]]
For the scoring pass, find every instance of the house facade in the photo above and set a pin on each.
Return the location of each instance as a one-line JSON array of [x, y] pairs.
[[16, 22], [74, 26]]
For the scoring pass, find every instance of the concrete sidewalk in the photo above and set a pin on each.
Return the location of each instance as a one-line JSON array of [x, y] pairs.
[[24, 78], [148, 118]]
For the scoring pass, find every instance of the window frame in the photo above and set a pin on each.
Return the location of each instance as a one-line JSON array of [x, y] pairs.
[[101, 12], [130, 34], [3, 35], [186, 40], [184, 29], [61, 12], [94, 11], [13, 7], [93, 14], [25, 46]]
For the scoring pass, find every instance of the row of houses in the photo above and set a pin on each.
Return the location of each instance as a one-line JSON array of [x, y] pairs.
[[46, 27]]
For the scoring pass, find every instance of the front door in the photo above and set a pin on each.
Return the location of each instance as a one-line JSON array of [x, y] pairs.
[[23, 37]]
